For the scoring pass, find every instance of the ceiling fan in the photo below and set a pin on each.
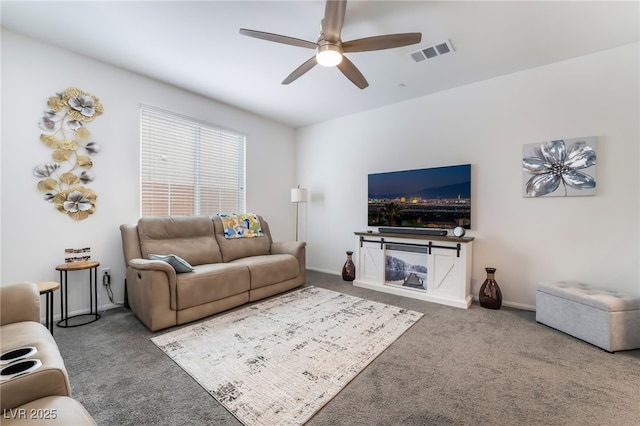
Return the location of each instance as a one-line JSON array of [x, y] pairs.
[[330, 48]]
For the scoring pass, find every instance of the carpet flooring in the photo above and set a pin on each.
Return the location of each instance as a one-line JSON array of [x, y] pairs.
[[453, 367]]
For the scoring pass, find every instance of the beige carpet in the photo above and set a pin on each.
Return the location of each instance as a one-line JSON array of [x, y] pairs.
[[277, 362]]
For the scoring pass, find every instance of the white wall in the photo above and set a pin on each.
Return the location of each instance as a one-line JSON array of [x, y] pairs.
[[34, 234], [590, 239]]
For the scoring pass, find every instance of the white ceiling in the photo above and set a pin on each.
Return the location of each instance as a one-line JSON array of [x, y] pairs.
[[196, 45]]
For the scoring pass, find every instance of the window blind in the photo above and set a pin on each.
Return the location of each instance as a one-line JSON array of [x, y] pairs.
[[188, 167]]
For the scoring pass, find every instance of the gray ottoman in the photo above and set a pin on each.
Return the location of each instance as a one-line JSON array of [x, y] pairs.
[[604, 318]]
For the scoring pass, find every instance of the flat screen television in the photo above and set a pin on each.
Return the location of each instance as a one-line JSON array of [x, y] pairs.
[[437, 197]]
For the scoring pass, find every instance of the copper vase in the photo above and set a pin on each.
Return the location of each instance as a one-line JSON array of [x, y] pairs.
[[349, 269], [490, 295]]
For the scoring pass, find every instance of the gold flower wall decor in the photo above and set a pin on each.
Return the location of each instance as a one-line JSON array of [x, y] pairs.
[[63, 179]]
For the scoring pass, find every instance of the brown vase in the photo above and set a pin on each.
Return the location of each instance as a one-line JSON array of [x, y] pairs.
[[490, 295], [349, 269]]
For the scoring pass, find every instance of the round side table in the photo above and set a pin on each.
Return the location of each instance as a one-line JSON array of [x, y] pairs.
[[47, 288], [93, 314]]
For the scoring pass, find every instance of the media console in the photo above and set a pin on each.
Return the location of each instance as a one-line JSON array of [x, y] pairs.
[[433, 268]]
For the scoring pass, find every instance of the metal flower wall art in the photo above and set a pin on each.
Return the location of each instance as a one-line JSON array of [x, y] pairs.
[[63, 180], [560, 168]]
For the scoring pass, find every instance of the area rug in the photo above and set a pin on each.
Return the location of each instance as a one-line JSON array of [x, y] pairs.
[[279, 361]]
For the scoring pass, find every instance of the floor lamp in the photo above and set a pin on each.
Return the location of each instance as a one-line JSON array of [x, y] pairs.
[[298, 195]]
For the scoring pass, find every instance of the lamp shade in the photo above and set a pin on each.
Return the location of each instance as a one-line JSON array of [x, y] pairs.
[[298, 195]]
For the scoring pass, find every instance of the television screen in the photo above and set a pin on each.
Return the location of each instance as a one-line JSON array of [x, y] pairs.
[[438, 197]]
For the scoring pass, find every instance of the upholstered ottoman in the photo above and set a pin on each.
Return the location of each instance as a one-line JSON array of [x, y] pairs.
[[603, 318]]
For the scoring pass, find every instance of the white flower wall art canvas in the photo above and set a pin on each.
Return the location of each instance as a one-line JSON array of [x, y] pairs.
[[559, 168]]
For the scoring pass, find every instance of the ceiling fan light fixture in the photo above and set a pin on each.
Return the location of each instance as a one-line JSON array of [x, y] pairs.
[[329, 55], [330, 48]]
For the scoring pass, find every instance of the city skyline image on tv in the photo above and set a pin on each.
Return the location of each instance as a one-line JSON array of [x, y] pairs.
[[437, 197]]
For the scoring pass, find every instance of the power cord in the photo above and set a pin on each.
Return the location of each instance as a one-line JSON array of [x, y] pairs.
[[106, 282]]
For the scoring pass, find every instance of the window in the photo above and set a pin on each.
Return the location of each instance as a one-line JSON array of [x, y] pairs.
[[188, 167]]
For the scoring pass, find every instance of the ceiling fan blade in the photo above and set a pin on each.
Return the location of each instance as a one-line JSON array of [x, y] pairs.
[[278, 38], [334, 12], [352, 73], [310, 63], [381, 42]]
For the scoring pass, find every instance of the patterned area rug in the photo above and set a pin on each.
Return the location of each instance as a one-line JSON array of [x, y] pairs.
[[279, 361]]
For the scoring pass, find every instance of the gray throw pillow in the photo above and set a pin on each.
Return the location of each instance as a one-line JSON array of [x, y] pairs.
[[178, 263]]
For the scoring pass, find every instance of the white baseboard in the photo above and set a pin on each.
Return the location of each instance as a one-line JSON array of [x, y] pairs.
[[58, 317], [504, 302], [108, 306], [519, 306], [522, 306], [338, 273]]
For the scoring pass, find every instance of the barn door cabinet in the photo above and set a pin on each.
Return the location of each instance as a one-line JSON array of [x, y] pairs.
[[427, 267]]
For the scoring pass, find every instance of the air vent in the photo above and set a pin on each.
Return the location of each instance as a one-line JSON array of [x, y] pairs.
[[432, 51]]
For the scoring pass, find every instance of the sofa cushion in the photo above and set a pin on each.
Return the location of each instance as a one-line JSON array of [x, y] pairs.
[[237, 248], [211, 282], [190, 237], [270, 269]]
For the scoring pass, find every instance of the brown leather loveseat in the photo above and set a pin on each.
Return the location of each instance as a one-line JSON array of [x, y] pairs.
[[226, 272]]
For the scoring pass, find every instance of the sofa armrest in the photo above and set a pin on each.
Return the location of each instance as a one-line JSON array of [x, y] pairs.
[[288, 247], [152, 265], [146, 266], [19, 302]]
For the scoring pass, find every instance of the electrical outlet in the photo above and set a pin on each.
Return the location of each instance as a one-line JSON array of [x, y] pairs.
[[106, 276]]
